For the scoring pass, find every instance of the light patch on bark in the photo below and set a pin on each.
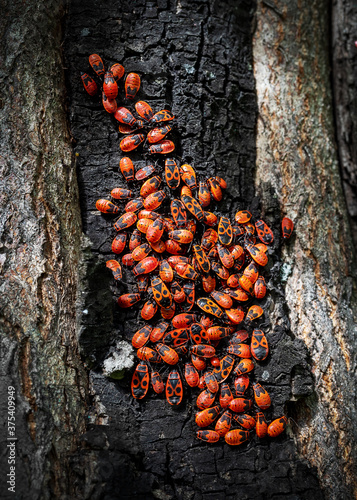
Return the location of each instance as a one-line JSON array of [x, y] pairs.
[[121, 359]]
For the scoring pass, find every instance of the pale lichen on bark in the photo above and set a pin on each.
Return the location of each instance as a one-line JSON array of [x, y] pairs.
[[297, 163]]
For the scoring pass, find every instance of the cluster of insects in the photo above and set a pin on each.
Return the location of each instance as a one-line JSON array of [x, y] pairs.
[[198, 278], [134, 129]]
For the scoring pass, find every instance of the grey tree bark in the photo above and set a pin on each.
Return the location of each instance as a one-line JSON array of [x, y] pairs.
[[344, 77], [80, 435], [298, 169], [40, 253]]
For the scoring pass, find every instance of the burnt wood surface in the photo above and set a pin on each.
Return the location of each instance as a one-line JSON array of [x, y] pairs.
[[195, 58]]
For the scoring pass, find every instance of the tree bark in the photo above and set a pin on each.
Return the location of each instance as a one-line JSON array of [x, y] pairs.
[[40, 252], [80, 434], [297, 168], [194, 58], [344, 52]]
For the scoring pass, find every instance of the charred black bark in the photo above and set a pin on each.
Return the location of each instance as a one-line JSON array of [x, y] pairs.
[[195, 58]]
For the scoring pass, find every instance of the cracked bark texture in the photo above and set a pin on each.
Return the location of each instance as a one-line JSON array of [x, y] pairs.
[[92, 441], [344, 57], [194, 57], [298, 170], [39, 254]]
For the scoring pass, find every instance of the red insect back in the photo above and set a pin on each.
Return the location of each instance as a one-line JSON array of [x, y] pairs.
[[223, 424], [141, 252], [265, 234], [191, 375], [240, 404], [155, 231], [157, 383], [110, 105], [208, 436], [97, 64], [211, 382], [259, 345], [141, 336], [132, 85], [145, 172], [116, 269], [225, 232], [123, 115], [162, 116], [215, 188], [172, 173], [198, 363], [208, 282], [148, 354], [154, 200], [261, 427], [158, 134], [118, 71], [225, 368], [261, 396], [243, 216], [244, 366], [222, 299], [277, 426], [260, 288], [178, 292], [246, 421], [119, 243], [225, 396], [127, 168], [241, 384], [144, 110], [149, 310], [188, 175], [142, 283], [110, 86], [146, 266], [106, 207], [89, 84], [121, 194], [162, 147], [140, 381], [158, 331], [236, 437], [178, 213], [204, 196], [128, 299], [287, 227], [205, 417], [125, 221], [174, 389], [131, 142], [254, 312]]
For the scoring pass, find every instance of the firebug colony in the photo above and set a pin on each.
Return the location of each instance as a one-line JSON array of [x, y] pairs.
[[177, 250]]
